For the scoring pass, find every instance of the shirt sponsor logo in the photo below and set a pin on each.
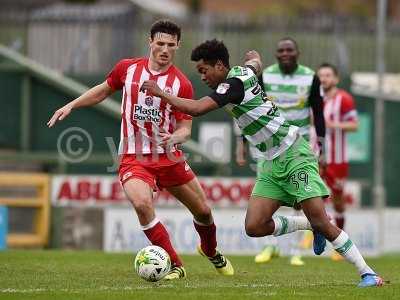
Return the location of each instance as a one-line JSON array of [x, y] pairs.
[[223, 88], [142, 113], [148, 101], [287, 103]]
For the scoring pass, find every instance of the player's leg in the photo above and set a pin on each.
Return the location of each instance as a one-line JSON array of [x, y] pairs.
[[186, 188], [140, 194], [339, 206], [302, 181], [267, 196], [270, 249], [270, 191], [192, 196], [332, 176], [339, 209], [259, 213], [305, 182], [314, 209], [335, 176], [260, 221]]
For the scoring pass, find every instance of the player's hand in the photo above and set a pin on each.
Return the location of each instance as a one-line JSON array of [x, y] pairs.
[[168, 139], [252, 54], [59, 115], [330, 124], [152, 88], [253, 58]]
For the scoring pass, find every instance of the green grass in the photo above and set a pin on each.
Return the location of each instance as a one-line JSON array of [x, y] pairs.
[[95, 275]]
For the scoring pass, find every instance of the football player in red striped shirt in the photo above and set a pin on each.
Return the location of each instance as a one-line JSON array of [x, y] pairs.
[[150, 131], [340, 117]]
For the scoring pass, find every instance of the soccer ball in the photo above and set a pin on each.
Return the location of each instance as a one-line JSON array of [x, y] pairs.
[[152, 263]]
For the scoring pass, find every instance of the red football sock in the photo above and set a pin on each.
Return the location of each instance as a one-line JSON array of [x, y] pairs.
[[339, 219], [208, 238], [159, 236]]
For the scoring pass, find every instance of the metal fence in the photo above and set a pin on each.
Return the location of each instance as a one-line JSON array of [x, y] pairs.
[[92, 39]]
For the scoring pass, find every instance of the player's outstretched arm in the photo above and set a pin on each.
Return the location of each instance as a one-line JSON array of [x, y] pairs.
[[91, 97], [187, 106]]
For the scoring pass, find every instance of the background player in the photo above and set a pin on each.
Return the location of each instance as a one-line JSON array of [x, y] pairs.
[[294, 88], [340, 118], [150, 130], [290, 170]]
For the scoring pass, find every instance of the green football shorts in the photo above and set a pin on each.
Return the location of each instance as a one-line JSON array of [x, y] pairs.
[[290, 178]]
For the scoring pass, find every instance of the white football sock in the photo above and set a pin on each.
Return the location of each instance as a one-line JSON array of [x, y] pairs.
[[296, 237], [349, 251], [285, 225]]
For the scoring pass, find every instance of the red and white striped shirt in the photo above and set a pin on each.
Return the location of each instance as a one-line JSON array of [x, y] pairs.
[[144, 115], [339, 108]]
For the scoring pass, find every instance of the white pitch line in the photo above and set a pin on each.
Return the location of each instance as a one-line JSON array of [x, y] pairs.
[[11, 290], [131, 288], [102, 288]]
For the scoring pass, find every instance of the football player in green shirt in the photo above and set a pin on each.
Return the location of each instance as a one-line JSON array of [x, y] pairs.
[[289, 170]]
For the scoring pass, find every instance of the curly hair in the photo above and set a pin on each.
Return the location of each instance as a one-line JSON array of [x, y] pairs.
[[211, 51]]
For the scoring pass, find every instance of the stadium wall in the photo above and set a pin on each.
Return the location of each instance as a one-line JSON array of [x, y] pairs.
[[91, 212]]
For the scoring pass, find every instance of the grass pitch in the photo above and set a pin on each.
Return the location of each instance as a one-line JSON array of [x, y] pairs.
[[96, 275]]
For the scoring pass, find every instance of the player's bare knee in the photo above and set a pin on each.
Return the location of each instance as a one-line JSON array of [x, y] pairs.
[[252, 229], [249, 230], [142, 205], [269, 227], [252, 232]]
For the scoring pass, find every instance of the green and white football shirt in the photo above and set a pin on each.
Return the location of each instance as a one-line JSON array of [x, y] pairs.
[[258, 119], [291, 94]]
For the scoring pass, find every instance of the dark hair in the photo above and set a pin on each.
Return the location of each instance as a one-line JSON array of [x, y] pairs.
[[330, 66], [287, 38], [211, 51], [165, 26]]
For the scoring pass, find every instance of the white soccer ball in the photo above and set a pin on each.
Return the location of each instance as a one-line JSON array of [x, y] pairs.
[[152, 263]]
